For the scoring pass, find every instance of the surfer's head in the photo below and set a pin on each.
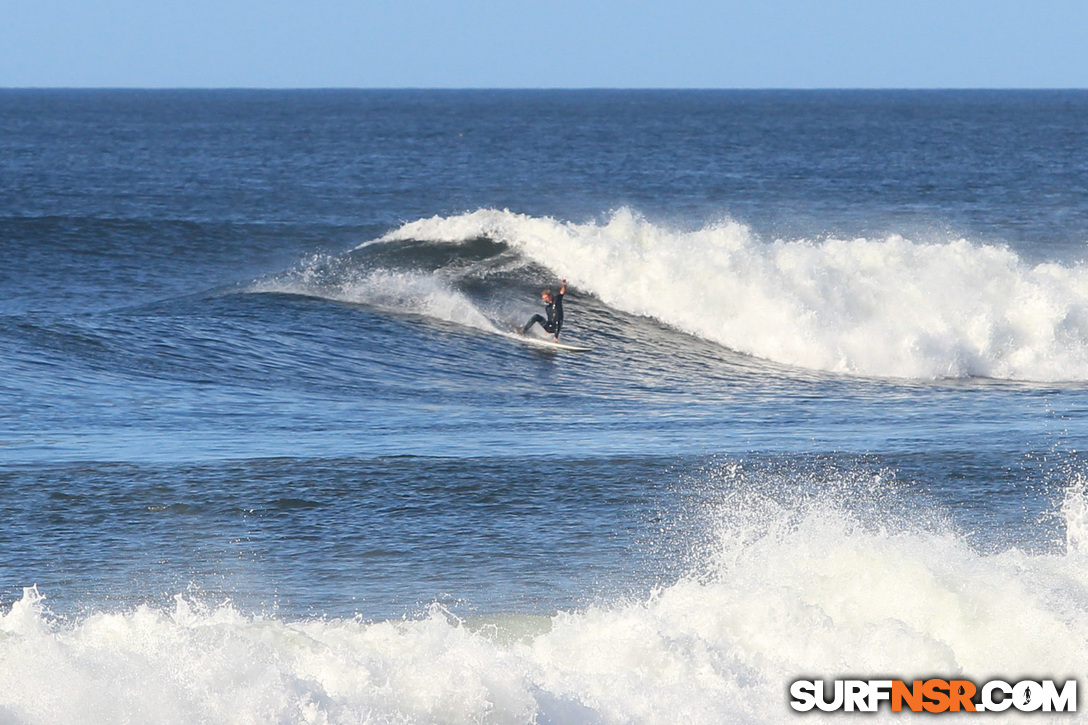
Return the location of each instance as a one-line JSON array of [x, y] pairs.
[[546, 295]]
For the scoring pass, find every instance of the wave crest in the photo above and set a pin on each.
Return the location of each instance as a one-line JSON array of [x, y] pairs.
[[889, 307], [791, 583]]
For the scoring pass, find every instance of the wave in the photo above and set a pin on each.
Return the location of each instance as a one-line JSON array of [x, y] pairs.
[[783, 589], [401, 291], [888, 307]]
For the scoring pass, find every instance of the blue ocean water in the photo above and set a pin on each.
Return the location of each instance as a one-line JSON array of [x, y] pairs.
[[268, 452]]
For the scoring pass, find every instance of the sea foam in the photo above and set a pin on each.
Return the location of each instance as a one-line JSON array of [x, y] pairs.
[[402, 291], [782, 589], [875, 307]]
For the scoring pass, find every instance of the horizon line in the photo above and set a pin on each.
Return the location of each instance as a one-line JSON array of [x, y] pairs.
[[545, 88]]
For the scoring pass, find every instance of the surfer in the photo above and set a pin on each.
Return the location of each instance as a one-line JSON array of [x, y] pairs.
[[553, 306]]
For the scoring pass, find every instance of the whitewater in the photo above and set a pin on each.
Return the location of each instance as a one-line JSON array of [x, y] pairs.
[[837, 595], [889, 307]]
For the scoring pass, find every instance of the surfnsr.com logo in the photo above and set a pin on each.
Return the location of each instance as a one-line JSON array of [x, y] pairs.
[[934, 695]]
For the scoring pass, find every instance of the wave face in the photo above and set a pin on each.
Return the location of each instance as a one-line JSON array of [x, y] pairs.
[[400, 291], [785, 585], [886, 307]]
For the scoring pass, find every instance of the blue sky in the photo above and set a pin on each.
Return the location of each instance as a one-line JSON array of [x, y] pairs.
[[545, 44]]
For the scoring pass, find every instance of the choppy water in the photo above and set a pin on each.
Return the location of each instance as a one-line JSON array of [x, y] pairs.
[[267, 454]]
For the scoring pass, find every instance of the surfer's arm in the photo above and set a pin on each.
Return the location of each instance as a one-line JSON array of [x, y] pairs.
[[558, 300]]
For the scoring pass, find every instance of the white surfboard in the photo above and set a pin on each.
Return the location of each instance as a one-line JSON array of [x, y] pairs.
[[546, 343]]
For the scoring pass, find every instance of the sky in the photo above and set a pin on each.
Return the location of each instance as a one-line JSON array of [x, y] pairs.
[[544, 43]]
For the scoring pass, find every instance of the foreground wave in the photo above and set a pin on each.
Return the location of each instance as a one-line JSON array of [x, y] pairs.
[[783, 590], [875, 307]]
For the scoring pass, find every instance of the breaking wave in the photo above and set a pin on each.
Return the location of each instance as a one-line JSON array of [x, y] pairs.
[[875, 307], [785, 586]]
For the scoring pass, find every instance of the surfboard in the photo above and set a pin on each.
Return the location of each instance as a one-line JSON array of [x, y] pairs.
[[546, 343]]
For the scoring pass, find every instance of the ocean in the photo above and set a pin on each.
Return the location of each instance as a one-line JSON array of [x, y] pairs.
[[269, 453]]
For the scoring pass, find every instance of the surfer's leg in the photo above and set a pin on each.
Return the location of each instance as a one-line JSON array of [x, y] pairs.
[[535, 318]]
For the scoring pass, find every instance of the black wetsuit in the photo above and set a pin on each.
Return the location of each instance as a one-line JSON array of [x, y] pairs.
[[554, 323]]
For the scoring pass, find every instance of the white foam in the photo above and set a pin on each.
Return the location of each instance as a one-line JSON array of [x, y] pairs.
[[406, 292], [1075, 515], [786, 590], [886, 307]]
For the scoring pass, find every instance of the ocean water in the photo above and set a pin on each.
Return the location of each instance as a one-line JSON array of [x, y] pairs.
[[268, 453]]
